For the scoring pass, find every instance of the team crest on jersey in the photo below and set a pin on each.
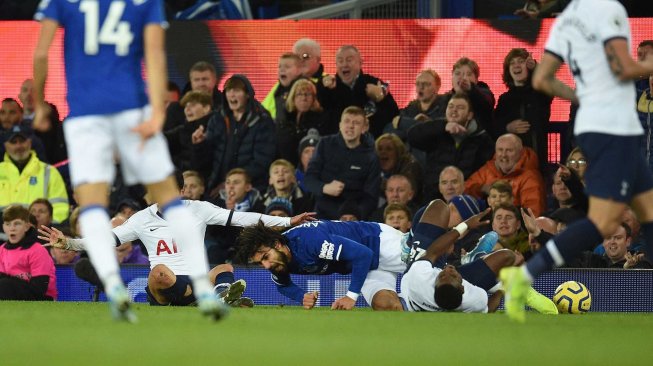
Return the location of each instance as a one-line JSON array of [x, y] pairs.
[[326, 252]]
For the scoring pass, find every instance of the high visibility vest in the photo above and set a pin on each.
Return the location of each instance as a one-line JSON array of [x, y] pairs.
[[37, 180]]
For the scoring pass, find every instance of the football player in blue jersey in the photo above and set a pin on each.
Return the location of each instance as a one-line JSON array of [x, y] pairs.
[[111, 114], [370, 252]]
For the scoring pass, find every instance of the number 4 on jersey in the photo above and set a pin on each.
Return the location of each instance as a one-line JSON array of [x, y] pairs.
[[112, 32]]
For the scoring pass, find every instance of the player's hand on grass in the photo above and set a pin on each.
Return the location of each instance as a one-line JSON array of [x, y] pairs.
[[310, 299], [302, 218], [477, 220], [53, 236], [343, 303]]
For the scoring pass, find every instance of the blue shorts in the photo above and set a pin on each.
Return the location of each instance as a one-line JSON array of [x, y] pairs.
[[478, 273], [616, 168], [174, 294]]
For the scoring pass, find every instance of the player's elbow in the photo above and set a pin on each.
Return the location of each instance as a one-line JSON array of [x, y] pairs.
[[539, 82]]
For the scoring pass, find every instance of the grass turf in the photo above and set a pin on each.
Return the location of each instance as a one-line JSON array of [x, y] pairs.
[[34, 333]]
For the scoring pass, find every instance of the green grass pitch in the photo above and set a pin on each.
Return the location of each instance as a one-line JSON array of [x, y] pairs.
[[83, 334]]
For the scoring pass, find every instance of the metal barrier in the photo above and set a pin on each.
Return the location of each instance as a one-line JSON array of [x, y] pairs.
[[611, 290], [373, 9]]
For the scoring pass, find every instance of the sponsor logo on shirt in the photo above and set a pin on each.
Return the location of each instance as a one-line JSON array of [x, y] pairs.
[[326, 252]]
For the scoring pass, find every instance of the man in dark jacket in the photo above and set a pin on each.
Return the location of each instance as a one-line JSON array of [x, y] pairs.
[[345, 168], [240, 135], [351, 86], [458, 141]]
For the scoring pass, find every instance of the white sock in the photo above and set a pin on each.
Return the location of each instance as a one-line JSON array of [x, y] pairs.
[[185, 230], [100, 245]]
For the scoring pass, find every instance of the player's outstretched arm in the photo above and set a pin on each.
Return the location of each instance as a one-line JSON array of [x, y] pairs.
[[57, 239], [442, 244], [545, 81], [622, 64], [40, 70]]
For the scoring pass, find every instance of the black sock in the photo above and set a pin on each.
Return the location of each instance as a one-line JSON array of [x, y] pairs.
[[565, 247]]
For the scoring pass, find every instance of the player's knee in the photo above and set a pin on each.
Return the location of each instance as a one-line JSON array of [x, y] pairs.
[[505, 257], [386, 300], [608, 227], [226, 267], [161, 277]]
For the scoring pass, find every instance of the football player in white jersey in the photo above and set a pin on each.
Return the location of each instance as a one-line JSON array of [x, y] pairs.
[[430, 285], [168, 281], [593, 38]]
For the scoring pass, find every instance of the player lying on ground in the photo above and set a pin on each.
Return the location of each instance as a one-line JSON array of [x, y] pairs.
[[370, 252], [428, 285], [168, 282]]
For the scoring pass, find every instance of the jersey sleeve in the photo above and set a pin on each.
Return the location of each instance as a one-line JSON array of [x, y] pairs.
[[128, 231], [154, 14], [614, 24], [252, 218], [289, 289], [50, 9], [474, 299], [556, 43], [209, 213], [339, 248]]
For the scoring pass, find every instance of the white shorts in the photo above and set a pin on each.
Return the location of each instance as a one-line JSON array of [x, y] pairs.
[[96, 142], [390, 264]]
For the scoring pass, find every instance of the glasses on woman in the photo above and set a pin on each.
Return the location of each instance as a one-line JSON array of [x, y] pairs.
[[304, 94], [576, 162]]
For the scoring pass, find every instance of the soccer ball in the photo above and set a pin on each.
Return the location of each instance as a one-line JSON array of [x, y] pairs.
[[572, 297]]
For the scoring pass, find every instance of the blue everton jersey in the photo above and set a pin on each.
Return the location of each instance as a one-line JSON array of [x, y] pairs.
[[325, 247], [103, 51]]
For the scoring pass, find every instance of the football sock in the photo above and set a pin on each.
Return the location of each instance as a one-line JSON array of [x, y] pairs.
[[100, 244], [564, 247], [647, 232], [184, 227], [224, 278], [424, 234]]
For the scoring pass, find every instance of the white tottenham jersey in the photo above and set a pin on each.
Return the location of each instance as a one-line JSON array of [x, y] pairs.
[[418, 290], [155, 233], [578, 37]]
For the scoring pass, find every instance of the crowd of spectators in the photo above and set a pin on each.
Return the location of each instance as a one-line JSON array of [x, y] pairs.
[[340, 145]]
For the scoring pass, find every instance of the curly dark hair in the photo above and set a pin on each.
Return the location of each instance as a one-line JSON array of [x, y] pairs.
[[252, 238]]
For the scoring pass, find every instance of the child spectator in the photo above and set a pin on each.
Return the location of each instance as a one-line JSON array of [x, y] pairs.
[[26, 270], [283, 184], [397, 216], [306, 149], [279, 206], [193, 188], [500, 193], [290, 69]]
